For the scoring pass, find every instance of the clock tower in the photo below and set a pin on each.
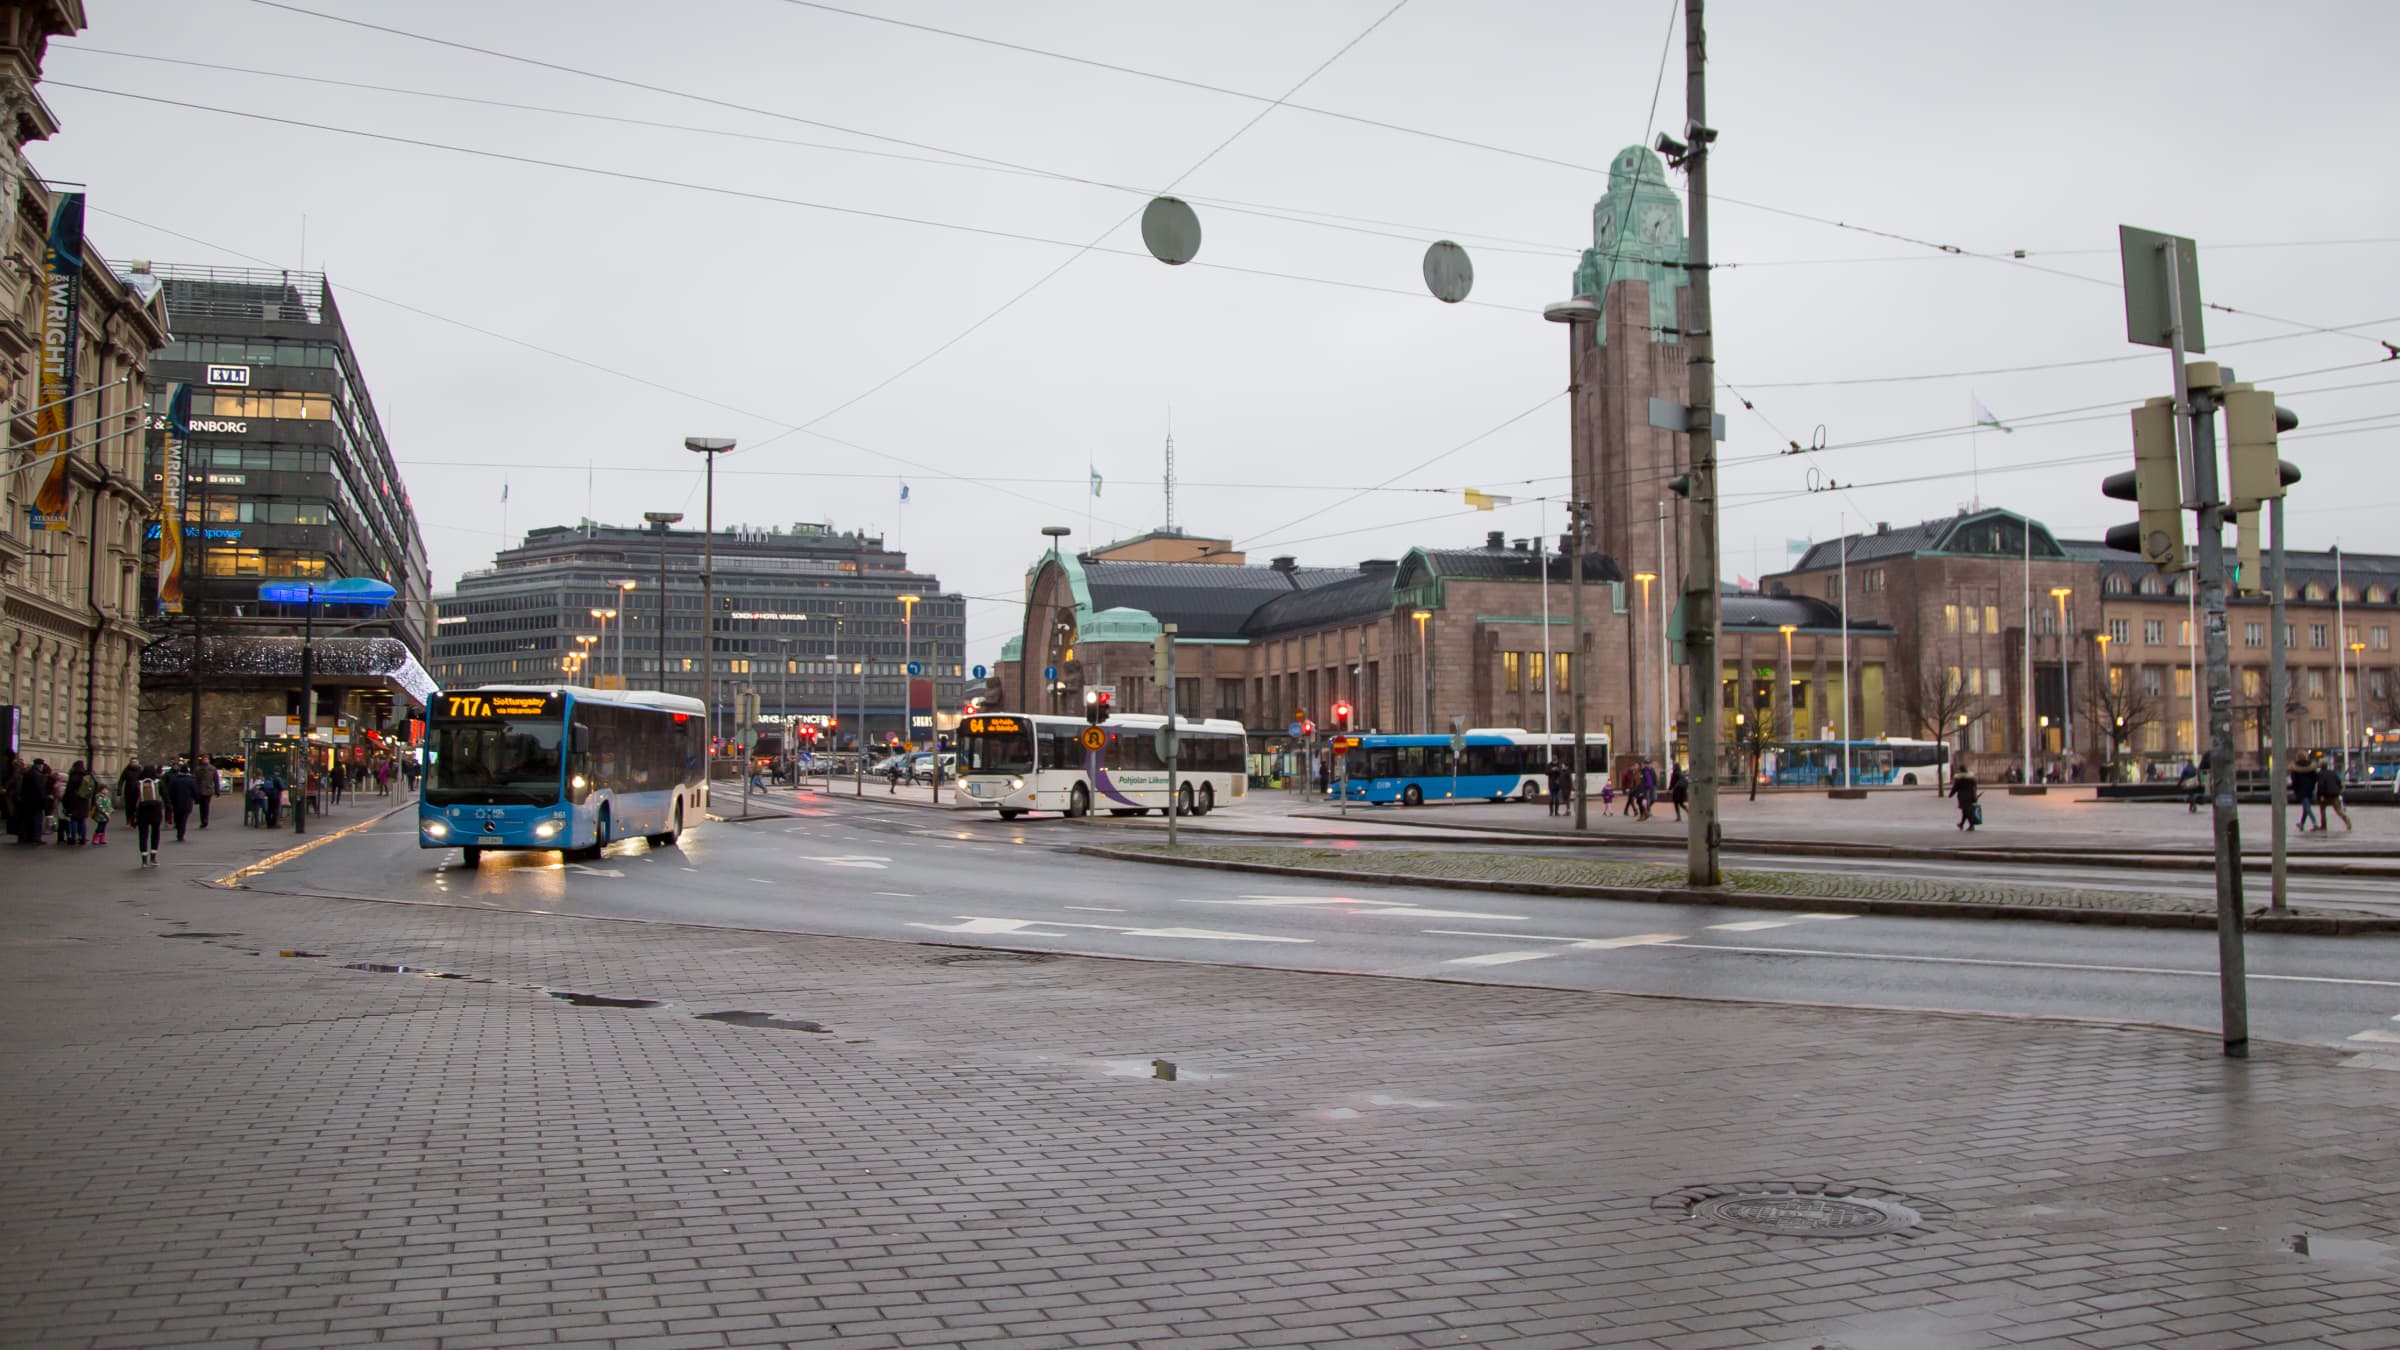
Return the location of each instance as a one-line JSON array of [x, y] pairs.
[[1635, 269]]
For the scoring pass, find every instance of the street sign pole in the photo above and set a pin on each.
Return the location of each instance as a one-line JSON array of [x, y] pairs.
[[1172, 750]]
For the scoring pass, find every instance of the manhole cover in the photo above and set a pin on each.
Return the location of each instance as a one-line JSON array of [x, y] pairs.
[[1015, 958], [1804, 1210]]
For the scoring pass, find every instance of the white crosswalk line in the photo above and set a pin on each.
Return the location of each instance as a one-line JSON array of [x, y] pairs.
[[1637, 940], [1751, 925], [1497, 958], [2380, 1037]]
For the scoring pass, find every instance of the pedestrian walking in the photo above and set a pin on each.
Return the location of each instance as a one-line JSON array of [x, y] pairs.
[[204, 786], [1557, 778], [2304, 790], [75, 803], [278, 796], [1970, 800], [16, 783], [103, 807], [1649, 789], [149, 817], [182, 794], [2329, 796], [1679, 791], [254, 804]]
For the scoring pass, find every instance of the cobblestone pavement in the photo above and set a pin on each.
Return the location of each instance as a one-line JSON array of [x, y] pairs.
[[1551, 869], [209, 1141]]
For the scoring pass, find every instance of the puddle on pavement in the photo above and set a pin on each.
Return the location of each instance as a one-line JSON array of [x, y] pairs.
[[741, 1018], [1148, 1068], [601, 1000], [2346, 1251], [383, 968]]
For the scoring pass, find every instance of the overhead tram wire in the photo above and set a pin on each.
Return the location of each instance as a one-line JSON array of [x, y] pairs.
[[942, 159], [596, 366], [1830, 222]]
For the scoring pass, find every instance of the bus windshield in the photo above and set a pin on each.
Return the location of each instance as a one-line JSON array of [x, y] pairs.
[[492, 763], [995, 745]]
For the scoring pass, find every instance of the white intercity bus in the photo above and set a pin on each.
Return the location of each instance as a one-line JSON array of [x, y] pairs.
[[1020, 762]]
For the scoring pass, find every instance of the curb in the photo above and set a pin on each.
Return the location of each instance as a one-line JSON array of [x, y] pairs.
[[2096, 855], [2319, 925]]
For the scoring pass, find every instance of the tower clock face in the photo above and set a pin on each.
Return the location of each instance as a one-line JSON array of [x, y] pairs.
[[1656, 224], [1608, 228]]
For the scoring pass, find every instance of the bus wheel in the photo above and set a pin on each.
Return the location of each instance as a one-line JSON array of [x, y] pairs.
[[1010, 815], [667, 839], [1412, 796], [1208, 798], [1079, 802], [1525, 792], [1909, 779], [1183, 801], [471, 857]]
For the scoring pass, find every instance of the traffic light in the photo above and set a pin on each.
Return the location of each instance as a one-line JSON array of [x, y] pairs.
[[2156, 485], [2252, 422], [1095, 706], [1307, 728], [1341, 717], [1680, 485]]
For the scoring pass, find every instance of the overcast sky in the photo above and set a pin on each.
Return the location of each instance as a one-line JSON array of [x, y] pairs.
[[2034, 126]]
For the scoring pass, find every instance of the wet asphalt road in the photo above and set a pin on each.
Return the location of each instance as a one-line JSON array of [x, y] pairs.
[[856, 869]]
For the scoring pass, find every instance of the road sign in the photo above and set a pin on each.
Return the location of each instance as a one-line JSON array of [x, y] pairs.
[[1668, 415], [1094, 738], [916, 667], [2147, 320], [1050, 672], [980, 672], [1165, 743], [1457, 742], [1297, 729]]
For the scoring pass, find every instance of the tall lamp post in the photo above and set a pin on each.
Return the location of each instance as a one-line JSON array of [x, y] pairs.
[[908, 674], [1424, 670], [2066, 697], [1961, 766], [660, 520], [1577, 313], [2108, 762], [708, 448], [1791, 715], [604, 615], [308, 595], [625, 589], [1641, 715], [584, 658], [2358, 681]]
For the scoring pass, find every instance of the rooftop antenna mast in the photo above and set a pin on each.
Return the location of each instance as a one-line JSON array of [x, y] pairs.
[[1170, 472]]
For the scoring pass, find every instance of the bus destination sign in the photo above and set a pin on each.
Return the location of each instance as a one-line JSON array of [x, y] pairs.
[[499, 705]]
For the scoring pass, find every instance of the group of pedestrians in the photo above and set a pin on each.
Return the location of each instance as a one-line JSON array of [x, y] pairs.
[[1636, 785], [2317, 786], [73, 810]]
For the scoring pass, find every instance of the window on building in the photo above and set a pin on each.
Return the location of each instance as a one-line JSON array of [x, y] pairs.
[[1991, 618], [1533, 672], [2317, 636], [2183, 733], [2376, 594], [1509, 677], [2153, 584], [2316, 683], [2120, 630], [2153, 683], [2314, 590], [2254, 635], [2316, 730], [2251, 676], [2154, 737], [1953, 680], [1974, 618], [2113, 584], [1991, 681], [2183, 681], [1975, 679], [2379, 638], [1949, 618], [1558, 672], [2154, 632]]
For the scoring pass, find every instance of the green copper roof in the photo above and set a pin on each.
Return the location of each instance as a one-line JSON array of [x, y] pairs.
[[1637, 235]]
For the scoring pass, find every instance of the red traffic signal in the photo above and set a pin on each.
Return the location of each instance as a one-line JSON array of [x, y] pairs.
[[1341, 715], [1307, 728], [1096, 705]]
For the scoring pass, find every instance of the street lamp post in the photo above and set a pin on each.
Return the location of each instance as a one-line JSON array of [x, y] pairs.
[[1424, 670], [626, 587], [1962, 758], [1575, 313], [1791, 717], [604, 615], [708, 448], [308, 595], [2066, 700], [1641, 713], [2358, 681], [660, 520], [908, 675], [584, 657], [2108, 763]]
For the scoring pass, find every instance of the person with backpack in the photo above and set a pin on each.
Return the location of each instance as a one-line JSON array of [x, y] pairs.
[[149, 818], [1679, 791], [204, 786], [2304, 791]]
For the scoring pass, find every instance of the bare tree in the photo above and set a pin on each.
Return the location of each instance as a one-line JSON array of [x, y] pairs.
[[2119, 708], [1936, 697]]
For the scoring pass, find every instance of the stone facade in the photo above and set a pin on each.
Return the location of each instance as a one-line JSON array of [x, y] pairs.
[[71, 631]]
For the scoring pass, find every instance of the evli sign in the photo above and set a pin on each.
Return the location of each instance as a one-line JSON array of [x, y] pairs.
[[237, 377]]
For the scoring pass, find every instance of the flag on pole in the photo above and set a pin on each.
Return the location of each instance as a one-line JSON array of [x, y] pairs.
[[1484, 501], [504, 491], [904, 494], [1984, 418], [1795, 547], [1095, 482]]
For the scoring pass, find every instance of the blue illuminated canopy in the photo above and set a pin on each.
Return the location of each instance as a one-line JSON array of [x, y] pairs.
[[346, 591]]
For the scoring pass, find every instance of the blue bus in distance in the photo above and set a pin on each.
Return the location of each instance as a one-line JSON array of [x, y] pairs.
[[1495, 764], [555, 766]]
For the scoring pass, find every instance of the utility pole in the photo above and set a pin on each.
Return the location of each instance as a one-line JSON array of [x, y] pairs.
[[1170, 747], [2200, 404], [2279, 751], [1700, 580], [1577, 512]]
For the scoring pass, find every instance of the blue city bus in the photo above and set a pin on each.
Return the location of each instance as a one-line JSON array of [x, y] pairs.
[[553, 766], [1494, 765], [1883, 763]]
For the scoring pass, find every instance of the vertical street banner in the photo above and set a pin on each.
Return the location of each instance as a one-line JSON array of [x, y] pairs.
[[171, 525], [62, 282]]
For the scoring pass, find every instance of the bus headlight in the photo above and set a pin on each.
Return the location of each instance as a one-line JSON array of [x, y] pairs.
[[546, 829], [580, 784], [1016, 785], [435, 829]]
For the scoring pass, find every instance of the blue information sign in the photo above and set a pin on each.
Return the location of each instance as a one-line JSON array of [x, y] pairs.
[[916, 667], [1049, 672], [979, 672], [1297, 729]]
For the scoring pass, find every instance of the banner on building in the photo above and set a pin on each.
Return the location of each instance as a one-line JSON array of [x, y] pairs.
[[62, 282], [171, 524]]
